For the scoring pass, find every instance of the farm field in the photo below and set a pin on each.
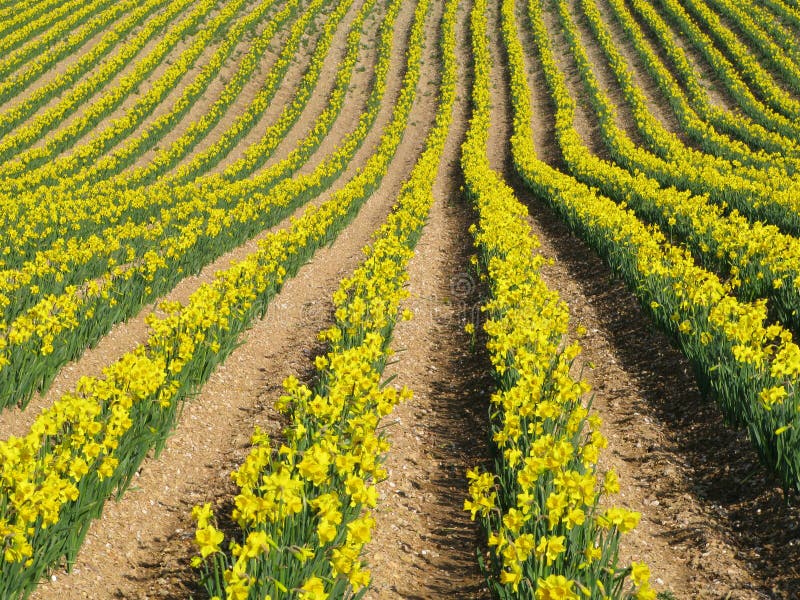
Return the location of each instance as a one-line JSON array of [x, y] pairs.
[[399, 299]]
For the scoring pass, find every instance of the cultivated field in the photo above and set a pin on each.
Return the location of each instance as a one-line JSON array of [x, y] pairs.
[[399, 299]]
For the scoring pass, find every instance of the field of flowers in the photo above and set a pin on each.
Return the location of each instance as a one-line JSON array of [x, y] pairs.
[[175, 168]]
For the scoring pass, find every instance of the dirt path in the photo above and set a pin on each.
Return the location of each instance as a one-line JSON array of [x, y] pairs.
[[424, 543], [141, 546]]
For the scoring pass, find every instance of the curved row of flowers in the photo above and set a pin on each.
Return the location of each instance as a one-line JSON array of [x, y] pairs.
[[58, 327], [765, 115], [23, 31], [52, 163], [761, 147], [16, 148], [769, 194], [749, 366], [116, 224], [548, 535], [109, 238], [58, 84], [59, 41], [761, 261], [760, 79], [121, 204], [88, 445], [303, 508], [91, 161]]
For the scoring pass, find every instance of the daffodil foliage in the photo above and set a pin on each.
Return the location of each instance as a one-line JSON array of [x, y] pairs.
[[66, 296], [748, 364]]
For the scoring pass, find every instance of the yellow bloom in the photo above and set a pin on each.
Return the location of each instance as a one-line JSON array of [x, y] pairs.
[[640, 573], [208, 539], [555, 587], [313, 589]]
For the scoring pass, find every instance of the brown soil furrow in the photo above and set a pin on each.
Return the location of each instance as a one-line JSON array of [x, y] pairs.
[[424, 545], [141, 546]]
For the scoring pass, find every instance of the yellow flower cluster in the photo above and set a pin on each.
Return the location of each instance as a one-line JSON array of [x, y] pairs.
[[761, 259], [771, 114], [304, 500], [89, 162], [134, 407], [57, 83], [27, 23], [547, 535], [118, 199], [737, 354], [37, 55], [742, 59], [181, 146], [70, 456], [46, 121], [757, 192], [188, 235], [776, 150]]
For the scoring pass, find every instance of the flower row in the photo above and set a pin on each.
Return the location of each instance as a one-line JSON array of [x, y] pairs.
[[89, 444], [540, 505], [749, 366], [58, 328], [301, 508]]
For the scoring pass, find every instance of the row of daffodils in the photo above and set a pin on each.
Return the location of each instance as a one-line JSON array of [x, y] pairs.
[[303, 510], [88, 445], [109, 279], [551, 534], [747, 364], [760, 259]]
